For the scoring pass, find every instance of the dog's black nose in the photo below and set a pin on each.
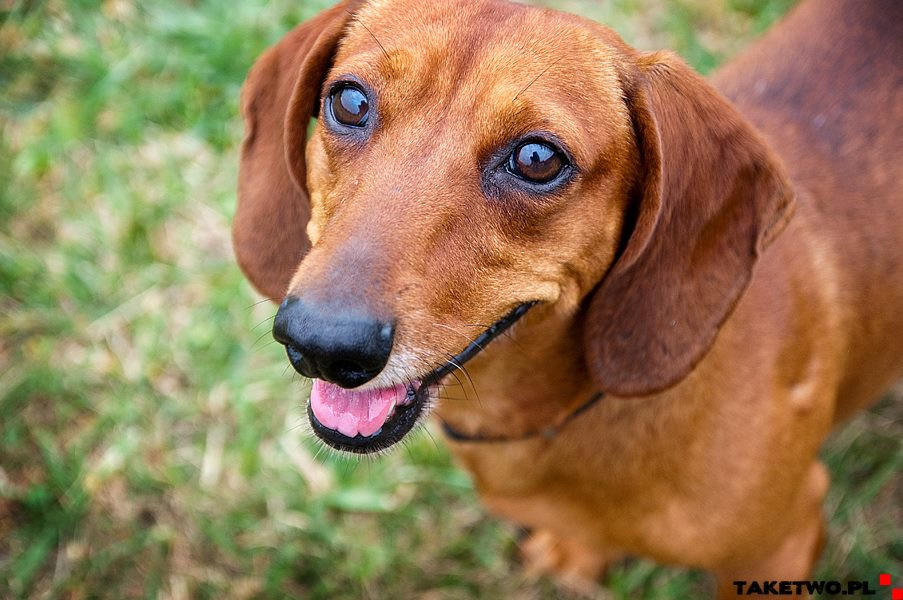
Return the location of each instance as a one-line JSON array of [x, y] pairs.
[[345, 348]]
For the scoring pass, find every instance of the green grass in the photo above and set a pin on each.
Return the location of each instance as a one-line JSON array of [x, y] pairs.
[[151, 438]]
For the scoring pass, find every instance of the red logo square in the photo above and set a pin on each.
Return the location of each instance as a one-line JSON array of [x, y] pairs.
[[884, 579], [896, 594]]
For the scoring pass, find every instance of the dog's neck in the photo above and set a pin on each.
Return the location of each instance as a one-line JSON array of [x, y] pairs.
[[525, 380]]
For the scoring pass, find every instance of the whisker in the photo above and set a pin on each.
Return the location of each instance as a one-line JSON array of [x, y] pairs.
[[320, 448], [359, 22], [255, 346], [262, 322], [435, 443], [560, 58], [407, 448], [258, 340], [261, 302], [473, 386], [469, 339], [350, 466], [508, 334]]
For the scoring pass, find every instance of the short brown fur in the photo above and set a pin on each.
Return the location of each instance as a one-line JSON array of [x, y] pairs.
[[727, 268]]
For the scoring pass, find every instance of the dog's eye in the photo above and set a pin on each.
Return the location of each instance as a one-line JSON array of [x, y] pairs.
[[350, 106], [536, 162]]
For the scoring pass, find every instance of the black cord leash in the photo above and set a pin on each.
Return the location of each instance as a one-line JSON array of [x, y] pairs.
[[547, 433]]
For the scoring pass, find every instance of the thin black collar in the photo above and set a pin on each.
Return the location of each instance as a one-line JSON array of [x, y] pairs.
[[547, 433]]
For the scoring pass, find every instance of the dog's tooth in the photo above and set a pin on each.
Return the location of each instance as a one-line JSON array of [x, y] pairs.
[[408, 397]]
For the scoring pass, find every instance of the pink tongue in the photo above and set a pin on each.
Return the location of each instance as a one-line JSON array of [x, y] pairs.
[[350, 412]]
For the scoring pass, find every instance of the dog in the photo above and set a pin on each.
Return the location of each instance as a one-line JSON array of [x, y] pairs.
[[667, 291]]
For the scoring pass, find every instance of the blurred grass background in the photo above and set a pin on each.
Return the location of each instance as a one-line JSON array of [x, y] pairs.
[[151, 437]]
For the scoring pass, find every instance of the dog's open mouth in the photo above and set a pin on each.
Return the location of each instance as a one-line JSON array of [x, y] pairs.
[[370, 420]]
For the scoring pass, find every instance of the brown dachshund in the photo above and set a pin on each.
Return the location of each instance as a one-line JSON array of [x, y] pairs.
[[706, 278]]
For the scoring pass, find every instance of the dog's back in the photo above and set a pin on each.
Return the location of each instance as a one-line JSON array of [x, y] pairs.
[[826, 89]]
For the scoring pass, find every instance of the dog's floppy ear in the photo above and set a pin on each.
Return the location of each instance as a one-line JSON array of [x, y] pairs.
[[709, 197], [273, 209]]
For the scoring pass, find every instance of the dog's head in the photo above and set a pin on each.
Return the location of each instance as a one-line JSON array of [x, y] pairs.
[[471, 159]]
